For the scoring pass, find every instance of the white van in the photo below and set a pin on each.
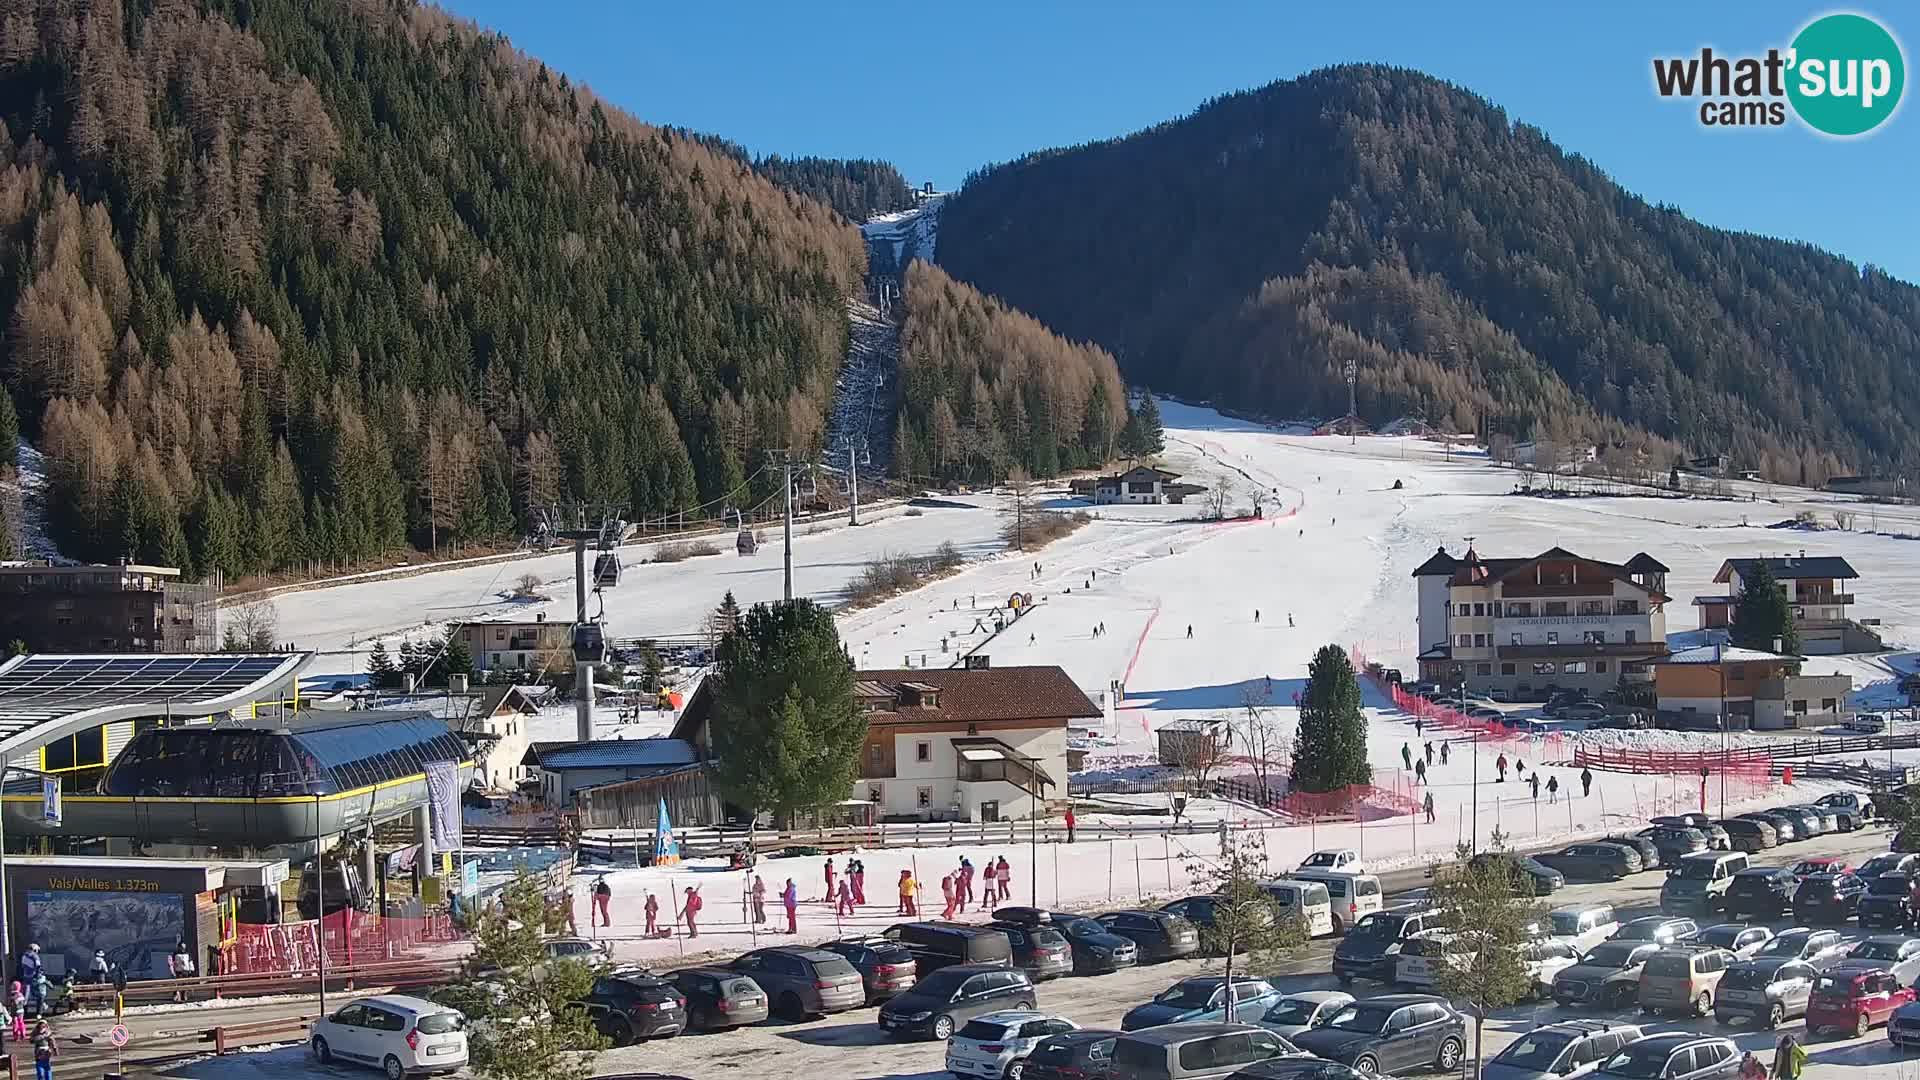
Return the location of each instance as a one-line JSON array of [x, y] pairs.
[[1582, 925], [1354, 896], [1304, 900]]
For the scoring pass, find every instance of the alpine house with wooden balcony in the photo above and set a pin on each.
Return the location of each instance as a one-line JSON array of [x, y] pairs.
[[1552, 621], [1815, 586]]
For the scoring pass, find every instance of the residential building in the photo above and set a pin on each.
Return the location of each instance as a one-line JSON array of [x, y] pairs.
[[1749, 688], [1141, 484], [517, 644], [565, 769], [1820, 609], [1525, 626], [492, 720], [124, 608], [953, 744]]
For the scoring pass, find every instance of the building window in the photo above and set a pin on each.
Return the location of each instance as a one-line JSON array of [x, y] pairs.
[[1519, 610], [1514, 637], [1463, 640], [1800, 706], [1828, 704], [1485, 669], [1574, 667], [1479, 641], [1506, 669], [1631, 636], [1599, 667], [1464, 608], [1594, 637], [923, 798], [1591, 607], [1626, 607], [1553, 637], [1556, 607], [923, 751], [1479, 609], [873, 754], [877, 794], [499, 635], [1543, 669]]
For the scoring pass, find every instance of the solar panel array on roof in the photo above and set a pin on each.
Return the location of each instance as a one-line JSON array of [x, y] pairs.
[[41, 688]]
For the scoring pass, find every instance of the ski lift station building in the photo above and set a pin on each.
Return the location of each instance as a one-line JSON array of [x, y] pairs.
[[209, 750]]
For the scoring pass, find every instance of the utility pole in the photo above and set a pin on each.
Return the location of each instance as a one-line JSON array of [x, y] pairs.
[[1353, 411], [853, 485], [783, 460]]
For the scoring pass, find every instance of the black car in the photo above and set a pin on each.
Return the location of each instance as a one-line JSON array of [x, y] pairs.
[[1888, 862], [1096, 949], [942, 1001], [1676, 1055], [1885, 901], [1157, 934], [1529, 877], [936, 944], [1748, 834], [1086, 1054], [1394, 1033], [1761, 890], [718, 999], [630, 1005], [1824, 899], [1372, 948], [1198, 910], [885, 967], [1661, 929], [1649, 851], [1785, 829], [1675, 841], [1607, 977], [1040, 951], [1593, 862]]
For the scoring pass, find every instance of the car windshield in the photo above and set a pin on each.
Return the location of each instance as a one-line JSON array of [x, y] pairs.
[[1876, 950], [1380, 925], [1188, 995], [983, 1031], [1079, 925], [1321, 858], [1720, 936], [1291, 1011], [440, 1023], [1535, 1051], [1749, 978], [1817, 888], [1695, 869], [1362, 1017], [1639, 1061], [940, 984], [1787, 944], [1047, 938], [1566, 922], [1668, 966], [1887, 885], [1610, 955]]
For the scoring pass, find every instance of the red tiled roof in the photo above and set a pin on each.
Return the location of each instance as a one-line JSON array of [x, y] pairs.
[[1039, 693]]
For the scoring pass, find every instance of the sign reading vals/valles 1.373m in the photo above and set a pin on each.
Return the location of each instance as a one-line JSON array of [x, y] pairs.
[[1843, 75]]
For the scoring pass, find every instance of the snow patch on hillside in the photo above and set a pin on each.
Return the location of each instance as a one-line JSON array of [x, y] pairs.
[[25, 493]]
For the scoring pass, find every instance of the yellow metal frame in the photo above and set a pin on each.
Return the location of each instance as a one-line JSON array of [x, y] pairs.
[[302, 799], [251, 712]]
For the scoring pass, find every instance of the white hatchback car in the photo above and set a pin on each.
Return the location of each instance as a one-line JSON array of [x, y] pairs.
[[997, 1044], [401, 1036]]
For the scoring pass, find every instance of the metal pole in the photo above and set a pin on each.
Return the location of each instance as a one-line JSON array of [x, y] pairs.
[[1476, 790], [1033, 858], [320, 901], [6, 909], [853, 486], [786, 466]]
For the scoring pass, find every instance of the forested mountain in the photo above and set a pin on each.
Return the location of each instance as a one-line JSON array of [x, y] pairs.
[[1473, 271], [295, 279], [857, 188], [985, 388]]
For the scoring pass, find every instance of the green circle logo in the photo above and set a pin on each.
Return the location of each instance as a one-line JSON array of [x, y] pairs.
[[1847, 74]]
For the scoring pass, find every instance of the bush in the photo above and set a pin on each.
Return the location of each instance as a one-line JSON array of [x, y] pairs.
[[1041, 527], [891, 574], [684, 550]]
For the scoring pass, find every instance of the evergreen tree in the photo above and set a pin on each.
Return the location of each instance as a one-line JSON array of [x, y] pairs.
[[380, 669], [1150, 437], [455, 658], [1246, 920], [786, 731], [17, 647], [1494, 922], [9, 431], [409, 658], [1330, 747], [1762, 613]]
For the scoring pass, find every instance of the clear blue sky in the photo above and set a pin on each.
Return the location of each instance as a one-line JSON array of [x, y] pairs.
[[942, 88]]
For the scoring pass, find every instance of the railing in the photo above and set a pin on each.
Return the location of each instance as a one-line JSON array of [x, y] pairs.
[[208, 987], [227, 1037], [1670, 761]]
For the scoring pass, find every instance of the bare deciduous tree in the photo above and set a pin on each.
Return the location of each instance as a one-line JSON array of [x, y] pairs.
[[252, 627], [1219, 495], [1196, 748], [1262, 737]]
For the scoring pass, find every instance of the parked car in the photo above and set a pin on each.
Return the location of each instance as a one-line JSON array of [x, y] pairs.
[[1716, 835], [1371, 949], [627, 1006], [1903, 1030], [1660, 929], [1889, 862], [1854, 1001], [1766, 991], [1204, 997], [1346, 860], [1740, 939], [1827, 898], [1866, 723], [1303, 1067], [1821, 948], [998, 1044], [1820, 864], [1896, 953], [1829, 819], [1304, 1011], [1156, 934], [802, 982], [397, 1034], [1785, 829], [1681, 980], [1196, 1051], [1760, 891], [1198, 910], [885, 967], [1309, 901], [1529, 876], [718, 998], [1608, 976], [1807, 824], [1040, 951], [1675, 842], [936, 944], [940, 1002], [1592, 862], [1560, 1051], [1352, 896], [1884, 904], [1859, 804], [1394, 1033], [1700, 881], [1086, 1054], [1749, 834], [1648, 851], [1583, 925], [1676, 1055], [1096, 949]]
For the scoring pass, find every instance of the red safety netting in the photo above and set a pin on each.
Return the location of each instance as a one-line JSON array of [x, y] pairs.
[[352, 937]]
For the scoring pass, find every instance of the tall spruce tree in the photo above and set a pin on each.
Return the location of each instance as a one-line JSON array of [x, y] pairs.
[[380, 669], [1762, 615], [1494, 922], [786, 731], [1152, 435], [1330, 747], [9, 431]]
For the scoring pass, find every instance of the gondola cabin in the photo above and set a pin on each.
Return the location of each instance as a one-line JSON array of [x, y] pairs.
[[606, 570]]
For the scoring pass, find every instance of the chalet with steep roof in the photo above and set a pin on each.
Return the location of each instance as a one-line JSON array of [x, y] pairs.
[[1815, 586]]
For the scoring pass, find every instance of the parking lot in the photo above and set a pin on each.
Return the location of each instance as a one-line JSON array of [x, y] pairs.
[[850, 1045]]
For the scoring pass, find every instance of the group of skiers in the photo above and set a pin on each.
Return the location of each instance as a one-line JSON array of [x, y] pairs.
[[31, 990], [1421, 763]]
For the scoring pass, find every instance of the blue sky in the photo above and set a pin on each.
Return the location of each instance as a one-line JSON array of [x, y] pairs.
[[940, 89]]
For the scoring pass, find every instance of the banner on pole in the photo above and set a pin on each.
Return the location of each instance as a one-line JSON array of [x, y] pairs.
[[666, 849], [443, 803], [50, 800]]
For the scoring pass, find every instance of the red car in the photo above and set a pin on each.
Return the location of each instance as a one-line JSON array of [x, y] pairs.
[[1853, 1001], [1820, 864]]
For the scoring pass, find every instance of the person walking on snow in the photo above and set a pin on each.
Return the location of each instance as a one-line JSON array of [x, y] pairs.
[[1520, 768], [759, 898], [1429, 806], [946, 893], [1256, 614], [1289, 618], [1429, 749], [1070, 824], [1006, 880], [829, 895], [1443, 753], [1535, 781], [790, 899], [691, 909], [45, 1050], [1189, 631], [1500, 766], [857, 873], [602, 896], [1416, 727], [653, 915], [1586, 782], [1419, 771], [844, 905], [1553, 789], [910, 886], [1406, 756], [988, 885]]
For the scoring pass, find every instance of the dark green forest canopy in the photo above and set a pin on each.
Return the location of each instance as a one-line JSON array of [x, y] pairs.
[[1476, 274]]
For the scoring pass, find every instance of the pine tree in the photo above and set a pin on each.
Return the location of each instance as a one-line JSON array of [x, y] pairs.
[[786, 731], [455, 657], [1493, 923], [380, 670], [1150, 437], [1762, 615], [9, 431], [409, 658], [1330, 747]]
